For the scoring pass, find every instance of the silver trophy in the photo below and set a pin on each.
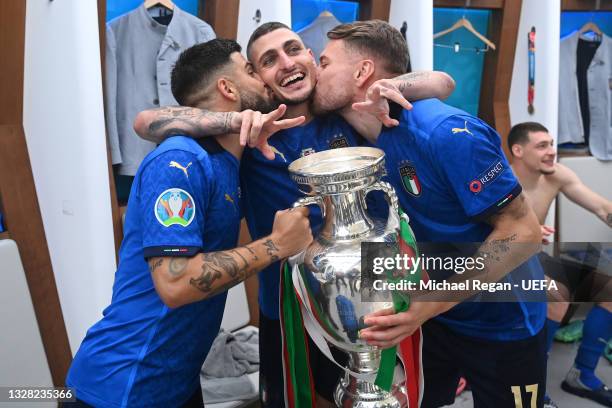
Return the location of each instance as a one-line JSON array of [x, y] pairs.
[[328, 273]]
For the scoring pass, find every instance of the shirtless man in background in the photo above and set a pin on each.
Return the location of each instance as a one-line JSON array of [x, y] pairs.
[[533, 152]]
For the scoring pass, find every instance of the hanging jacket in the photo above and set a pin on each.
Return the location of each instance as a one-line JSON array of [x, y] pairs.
[[314, 34], [599, 82], [140, 55]]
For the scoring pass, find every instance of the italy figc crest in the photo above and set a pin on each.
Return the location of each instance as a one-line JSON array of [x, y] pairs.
[[409, 178], [174, 206]]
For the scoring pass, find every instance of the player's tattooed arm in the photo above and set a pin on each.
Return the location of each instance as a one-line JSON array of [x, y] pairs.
[[411, 86], [222, 270], [255, 128], [156, 125], [180, 281], [516, 236], [425, 84]]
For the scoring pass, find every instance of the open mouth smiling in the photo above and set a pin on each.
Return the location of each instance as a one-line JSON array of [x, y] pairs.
[[292, 79]]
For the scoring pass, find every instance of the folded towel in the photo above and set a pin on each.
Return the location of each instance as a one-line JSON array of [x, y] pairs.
[[224, 373]]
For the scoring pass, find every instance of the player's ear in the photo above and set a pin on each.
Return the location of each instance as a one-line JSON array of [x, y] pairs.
[[364, 70], [227, 89], [517, 150], [314, 60]]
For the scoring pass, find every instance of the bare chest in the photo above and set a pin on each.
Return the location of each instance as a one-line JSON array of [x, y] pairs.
[[541, 196]]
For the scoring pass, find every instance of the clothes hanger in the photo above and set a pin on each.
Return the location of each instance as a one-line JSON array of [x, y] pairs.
[[465, 23], [590, 25], [164, 3]]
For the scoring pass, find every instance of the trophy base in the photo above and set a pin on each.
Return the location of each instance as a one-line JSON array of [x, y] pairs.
[[354, 393]]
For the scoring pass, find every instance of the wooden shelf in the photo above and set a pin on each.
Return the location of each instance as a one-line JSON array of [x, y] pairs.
[[474, 4], [585, 5], [562, 154]]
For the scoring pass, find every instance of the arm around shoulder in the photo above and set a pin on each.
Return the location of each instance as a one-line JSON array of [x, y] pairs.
[[425, 84], [156, 125]]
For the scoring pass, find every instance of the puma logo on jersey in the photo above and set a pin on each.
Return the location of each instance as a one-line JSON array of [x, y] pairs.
[[462, 130], [229, 198], [275, 150], [180, 167]]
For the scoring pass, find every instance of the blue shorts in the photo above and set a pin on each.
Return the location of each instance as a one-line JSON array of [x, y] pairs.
[[498, 372]]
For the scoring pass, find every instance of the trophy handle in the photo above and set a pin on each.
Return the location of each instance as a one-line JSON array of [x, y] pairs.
[[306, 201], [392, 200]]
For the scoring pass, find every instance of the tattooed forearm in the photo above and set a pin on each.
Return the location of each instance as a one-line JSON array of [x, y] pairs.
[[177, 266], [222, 261], [502, 243], [214, 272], [168, 121], [245, 265], [223, 288], [410, 79], [248, 248], [425, 84], [271, 250], [214, 264], [494, 249], [206, 280], [154, 264]]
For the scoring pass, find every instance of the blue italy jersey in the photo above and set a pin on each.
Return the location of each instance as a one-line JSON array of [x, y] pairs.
[[450, 175], [184, 200], [268, 188]]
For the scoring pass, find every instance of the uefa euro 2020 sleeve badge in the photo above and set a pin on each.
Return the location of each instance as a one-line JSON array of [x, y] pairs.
[[175, 206]]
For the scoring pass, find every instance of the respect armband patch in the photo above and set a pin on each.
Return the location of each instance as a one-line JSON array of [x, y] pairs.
[[486, 178]]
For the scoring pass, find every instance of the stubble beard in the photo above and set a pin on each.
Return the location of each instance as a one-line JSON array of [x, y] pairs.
[[328, 103], [256, 102]]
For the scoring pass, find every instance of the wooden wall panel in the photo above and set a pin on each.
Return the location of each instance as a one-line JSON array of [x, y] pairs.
[[115, 210], [494, 105], [19, 201], [374, 9], [222, 15], [477, 4], [585, 5]]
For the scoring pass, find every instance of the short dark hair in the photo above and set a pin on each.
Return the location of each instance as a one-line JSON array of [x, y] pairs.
[[262, 30], [377, 38], [196, 67], [519, 134]]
